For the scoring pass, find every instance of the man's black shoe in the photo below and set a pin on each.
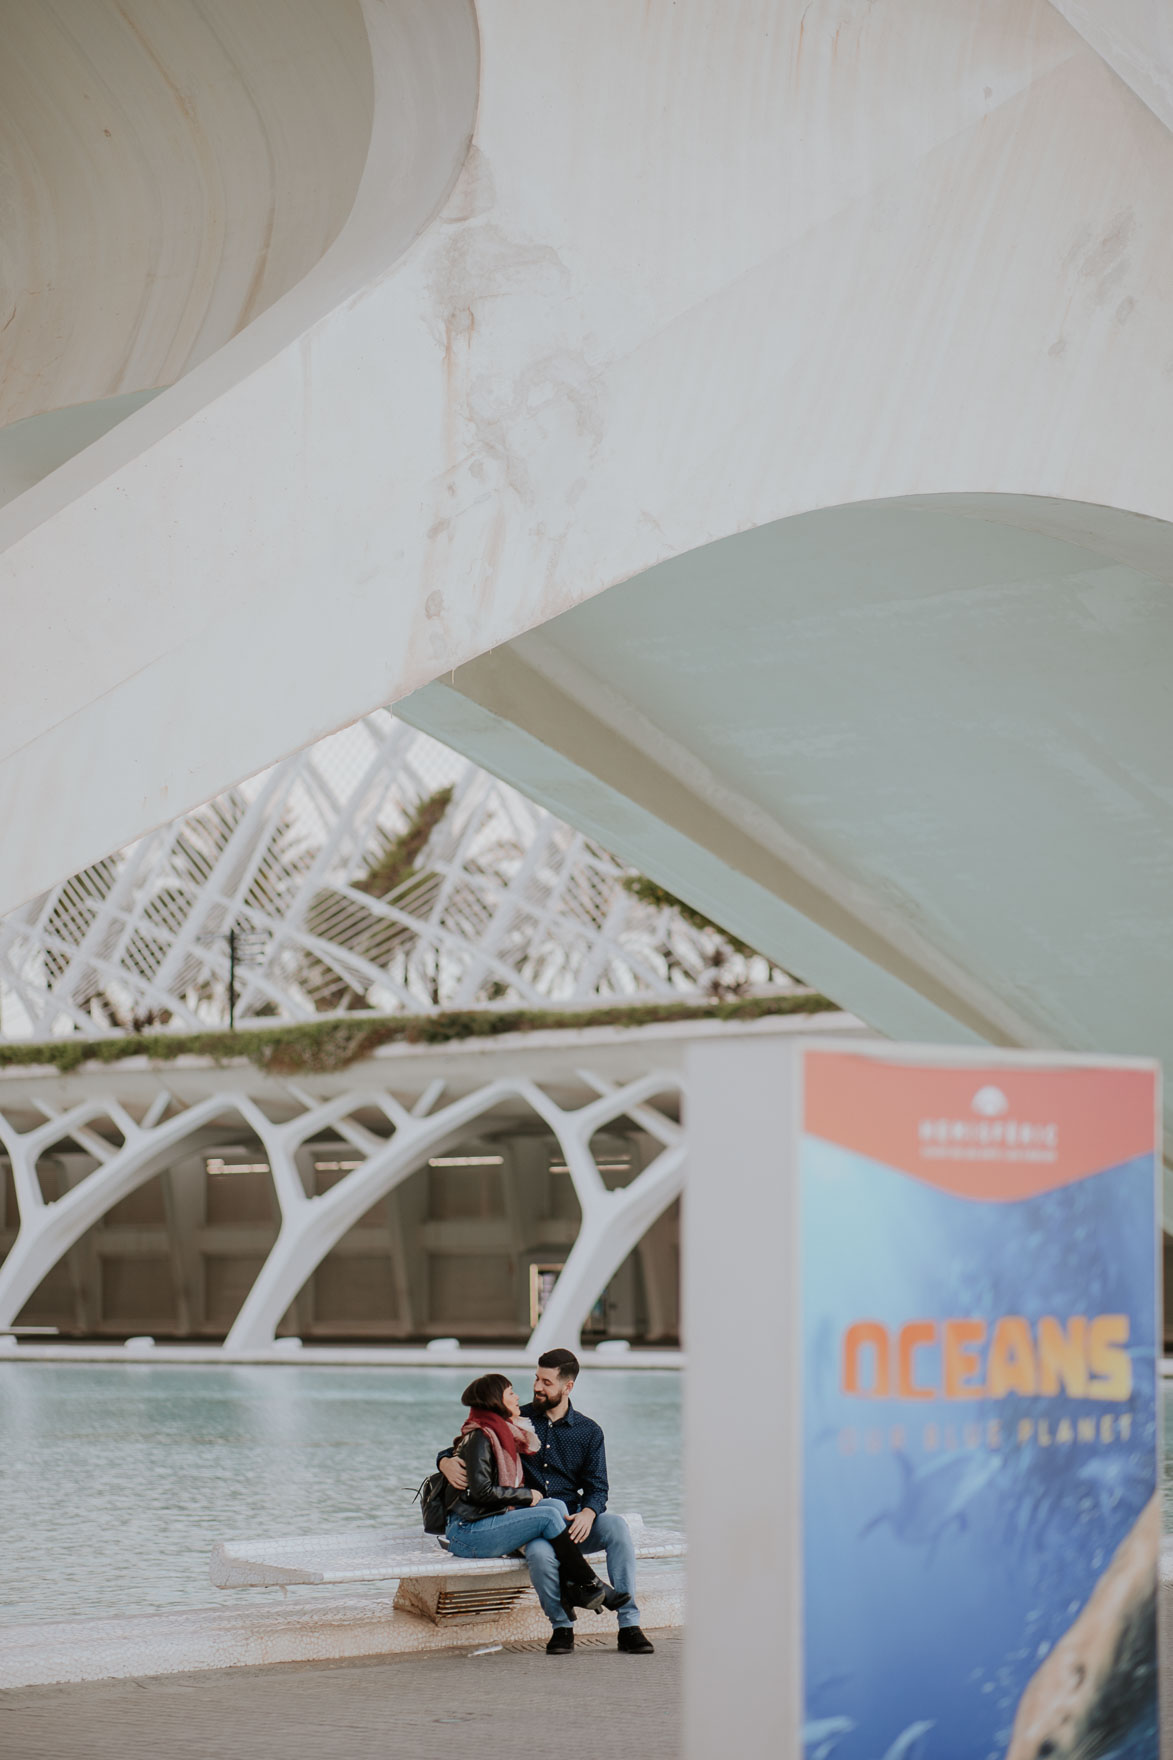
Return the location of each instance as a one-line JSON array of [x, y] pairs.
[[634, 1642], [562, 1641]]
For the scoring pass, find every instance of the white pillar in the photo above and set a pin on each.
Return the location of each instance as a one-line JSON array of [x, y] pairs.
[[612, 1227], [742, 1674], [47, 1231]]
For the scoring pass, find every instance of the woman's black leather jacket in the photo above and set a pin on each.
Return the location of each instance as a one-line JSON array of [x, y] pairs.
[[484, 1497]]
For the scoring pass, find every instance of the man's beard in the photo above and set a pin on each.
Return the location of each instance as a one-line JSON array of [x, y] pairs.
[[542, 1401]]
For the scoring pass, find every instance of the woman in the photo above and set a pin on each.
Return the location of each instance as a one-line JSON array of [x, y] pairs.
[[498, 1513]]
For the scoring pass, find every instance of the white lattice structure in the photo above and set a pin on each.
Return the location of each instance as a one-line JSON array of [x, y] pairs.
[[310, 1226], [507, 905], [122, 1124]]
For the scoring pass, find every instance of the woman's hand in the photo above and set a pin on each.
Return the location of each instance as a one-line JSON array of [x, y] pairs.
[[535, 1496]]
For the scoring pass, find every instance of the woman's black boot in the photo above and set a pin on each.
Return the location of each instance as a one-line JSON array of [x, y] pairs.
[[582, 1587]]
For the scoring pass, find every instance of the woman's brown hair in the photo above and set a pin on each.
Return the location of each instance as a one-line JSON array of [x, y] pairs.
[[486, 1393]]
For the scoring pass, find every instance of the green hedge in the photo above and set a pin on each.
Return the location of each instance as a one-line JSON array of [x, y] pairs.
[[327, 1045]]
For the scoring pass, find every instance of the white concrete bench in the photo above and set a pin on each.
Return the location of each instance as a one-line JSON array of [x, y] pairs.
[[432, 1584]]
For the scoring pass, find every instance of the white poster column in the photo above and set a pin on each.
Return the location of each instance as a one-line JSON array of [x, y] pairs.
[[923, 1424], [742, 1676]]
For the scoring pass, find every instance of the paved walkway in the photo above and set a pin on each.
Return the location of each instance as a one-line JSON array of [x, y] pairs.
[[596, 1703], [592, 1704]]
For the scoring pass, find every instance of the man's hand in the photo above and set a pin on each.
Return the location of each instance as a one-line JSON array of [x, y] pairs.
[[455, 1473], [581, 1525]]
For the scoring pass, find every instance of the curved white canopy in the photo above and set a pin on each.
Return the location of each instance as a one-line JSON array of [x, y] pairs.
[[636, 295]]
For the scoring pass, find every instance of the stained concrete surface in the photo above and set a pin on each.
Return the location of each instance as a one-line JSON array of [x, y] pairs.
[[588, 1705], [592, 1704]]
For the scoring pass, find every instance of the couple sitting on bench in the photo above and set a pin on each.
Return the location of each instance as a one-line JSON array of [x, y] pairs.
[[534, 1479]]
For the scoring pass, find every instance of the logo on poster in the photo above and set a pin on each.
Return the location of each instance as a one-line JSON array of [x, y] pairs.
[[991, 1136], [990, 1102]]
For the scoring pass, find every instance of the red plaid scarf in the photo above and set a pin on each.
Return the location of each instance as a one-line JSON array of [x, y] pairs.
[[511, 1438]]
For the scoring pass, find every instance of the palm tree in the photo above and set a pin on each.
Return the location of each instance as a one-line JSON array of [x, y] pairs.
[[77, 904], [394, 875], [725, 958]]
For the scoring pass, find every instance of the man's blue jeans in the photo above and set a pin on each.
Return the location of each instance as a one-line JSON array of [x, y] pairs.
[[610, 1533], [495, 1536]]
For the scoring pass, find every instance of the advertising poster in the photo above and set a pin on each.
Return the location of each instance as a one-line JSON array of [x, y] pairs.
[[981, 1506]]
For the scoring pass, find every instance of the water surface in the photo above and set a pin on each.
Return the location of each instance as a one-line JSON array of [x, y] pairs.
[[116, 1479]]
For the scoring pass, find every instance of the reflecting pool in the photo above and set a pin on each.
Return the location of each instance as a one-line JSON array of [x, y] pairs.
[[115, 1479]]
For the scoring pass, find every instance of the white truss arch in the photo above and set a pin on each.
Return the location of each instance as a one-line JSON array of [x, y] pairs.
[[500, 904], [47, 1231], [575, 1091], [310, 1227], [613, 1221]]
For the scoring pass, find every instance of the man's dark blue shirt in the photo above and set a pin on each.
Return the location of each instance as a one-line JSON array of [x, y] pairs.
[[571, 1463]]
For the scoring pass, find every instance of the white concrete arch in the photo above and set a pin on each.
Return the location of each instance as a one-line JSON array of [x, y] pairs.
[[1135, 38], [612, 1220], [878, 285], [178, 178], [424, 60], [310, 1227], [47, 1231], [861, 254], [170, 1116], [921, 758]]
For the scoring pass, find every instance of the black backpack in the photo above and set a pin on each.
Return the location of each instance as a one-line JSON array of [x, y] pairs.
[[433, 1499], [436, 1497]]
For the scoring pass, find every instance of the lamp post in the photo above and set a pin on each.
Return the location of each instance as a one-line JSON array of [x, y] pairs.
[[242, 943]]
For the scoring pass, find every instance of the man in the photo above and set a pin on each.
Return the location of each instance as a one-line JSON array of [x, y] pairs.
[[571, 1464]]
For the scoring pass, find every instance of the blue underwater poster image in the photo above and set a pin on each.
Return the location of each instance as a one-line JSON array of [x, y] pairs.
[[980, 1505]]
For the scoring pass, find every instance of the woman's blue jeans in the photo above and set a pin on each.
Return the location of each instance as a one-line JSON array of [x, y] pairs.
[[511, 1531]]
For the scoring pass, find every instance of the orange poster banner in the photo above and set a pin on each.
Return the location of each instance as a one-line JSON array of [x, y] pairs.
[[993, 1134]]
